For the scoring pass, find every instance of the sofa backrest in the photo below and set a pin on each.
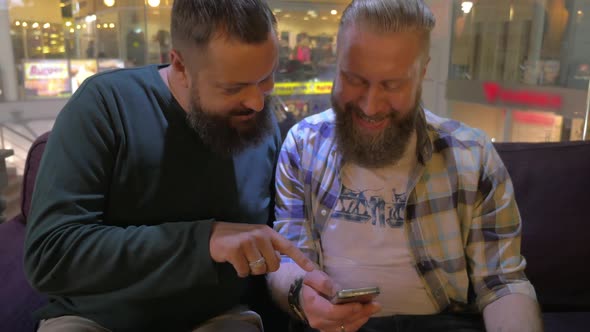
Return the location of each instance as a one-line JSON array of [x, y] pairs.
[[31, 169], [552, 183], [18, 299]]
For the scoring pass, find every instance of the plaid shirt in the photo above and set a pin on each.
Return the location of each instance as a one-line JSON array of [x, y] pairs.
[[461, 220]]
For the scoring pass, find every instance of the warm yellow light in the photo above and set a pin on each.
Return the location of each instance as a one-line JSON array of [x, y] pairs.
[[98, 26], [153, 3], [78, 27], [25, 24], [112, 25], [334, 12], [84, 26], [466, 6], [35, 25], [17, 23], [68, 24], [46, 26], [109, 3], [72, 30], [306, 18], [580, 12], [105, 25]]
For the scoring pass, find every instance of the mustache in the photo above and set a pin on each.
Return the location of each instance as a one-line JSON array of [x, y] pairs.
[[242, 112], [352, 107], [247, 111]]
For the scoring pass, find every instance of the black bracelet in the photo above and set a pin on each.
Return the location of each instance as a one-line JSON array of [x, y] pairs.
[[293, 299]]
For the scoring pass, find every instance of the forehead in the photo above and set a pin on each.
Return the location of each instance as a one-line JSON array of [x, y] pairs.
[[232, 60], [373, 53]]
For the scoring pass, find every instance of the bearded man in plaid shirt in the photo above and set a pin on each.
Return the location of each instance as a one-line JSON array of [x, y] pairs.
[[378, 191]]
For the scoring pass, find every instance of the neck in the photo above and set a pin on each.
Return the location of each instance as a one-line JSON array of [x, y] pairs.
[[172, 81]]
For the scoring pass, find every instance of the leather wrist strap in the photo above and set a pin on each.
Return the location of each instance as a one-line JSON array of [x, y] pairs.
[[293, 299]]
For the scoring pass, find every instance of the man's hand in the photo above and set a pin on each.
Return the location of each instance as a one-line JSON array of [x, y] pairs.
[[317, 289], [252, 249]]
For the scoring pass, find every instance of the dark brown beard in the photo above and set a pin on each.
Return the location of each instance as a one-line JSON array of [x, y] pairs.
[[385, 148], [217, 132]]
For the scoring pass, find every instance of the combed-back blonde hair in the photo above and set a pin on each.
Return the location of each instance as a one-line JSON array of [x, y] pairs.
[[386, 16]]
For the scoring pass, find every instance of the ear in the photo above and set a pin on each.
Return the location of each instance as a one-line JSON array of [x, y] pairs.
[[180, 72]]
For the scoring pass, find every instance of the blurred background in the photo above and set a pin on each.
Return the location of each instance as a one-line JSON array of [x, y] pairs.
[[517, 69]]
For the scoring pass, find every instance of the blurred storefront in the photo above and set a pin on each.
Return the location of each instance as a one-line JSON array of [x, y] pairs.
[[518, 69]]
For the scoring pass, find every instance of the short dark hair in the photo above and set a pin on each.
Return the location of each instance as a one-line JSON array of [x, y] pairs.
[[195, 22]]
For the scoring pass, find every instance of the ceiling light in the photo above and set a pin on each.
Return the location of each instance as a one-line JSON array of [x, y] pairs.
[[334, 12], [466, 6], [109, 3], [153, 3]]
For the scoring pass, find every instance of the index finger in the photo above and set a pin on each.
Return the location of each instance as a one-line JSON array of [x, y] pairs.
[[285, 247]]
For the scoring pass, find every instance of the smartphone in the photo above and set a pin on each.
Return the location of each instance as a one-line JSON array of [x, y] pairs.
[[362, 295]]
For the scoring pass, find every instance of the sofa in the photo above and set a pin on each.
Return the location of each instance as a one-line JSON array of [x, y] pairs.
[[551, 183]]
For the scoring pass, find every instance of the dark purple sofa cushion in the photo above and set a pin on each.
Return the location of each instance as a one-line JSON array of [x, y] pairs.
[[17, 299], [30, 174], [566, 321], [552, 183]]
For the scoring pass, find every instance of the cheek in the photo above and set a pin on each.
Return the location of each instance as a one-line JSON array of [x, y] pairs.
[[345, 92], [405, 99]]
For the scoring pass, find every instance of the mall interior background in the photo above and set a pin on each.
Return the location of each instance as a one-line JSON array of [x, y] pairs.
[[517, 69]]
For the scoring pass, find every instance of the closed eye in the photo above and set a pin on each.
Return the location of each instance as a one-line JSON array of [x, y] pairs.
[[353, 79]]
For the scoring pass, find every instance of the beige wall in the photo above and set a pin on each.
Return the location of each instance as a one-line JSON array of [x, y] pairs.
[[43, 11], [488, 119]]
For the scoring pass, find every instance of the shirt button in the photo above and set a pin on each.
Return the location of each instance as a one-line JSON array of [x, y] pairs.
[[324, 212]]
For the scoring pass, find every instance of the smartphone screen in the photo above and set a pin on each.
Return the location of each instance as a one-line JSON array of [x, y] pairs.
[[362, 295]]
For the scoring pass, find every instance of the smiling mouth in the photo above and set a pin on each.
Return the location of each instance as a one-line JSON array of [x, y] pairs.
[[372, 123]]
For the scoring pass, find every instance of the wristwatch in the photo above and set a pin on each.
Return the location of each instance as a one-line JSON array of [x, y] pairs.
[[293, 299]]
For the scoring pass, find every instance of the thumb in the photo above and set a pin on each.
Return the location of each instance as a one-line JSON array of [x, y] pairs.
[[321, 282]]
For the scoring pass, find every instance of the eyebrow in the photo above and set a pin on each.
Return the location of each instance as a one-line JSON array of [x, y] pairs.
[[399, 79]]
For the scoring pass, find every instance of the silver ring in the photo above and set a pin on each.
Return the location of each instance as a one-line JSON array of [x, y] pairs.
[[257, 263], [342, 329]]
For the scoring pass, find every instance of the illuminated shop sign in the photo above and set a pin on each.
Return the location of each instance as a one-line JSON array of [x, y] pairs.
[[495, 93], [43, 70], [302, 88]]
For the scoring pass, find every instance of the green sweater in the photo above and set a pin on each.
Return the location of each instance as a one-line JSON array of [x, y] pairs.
[[123, 208]]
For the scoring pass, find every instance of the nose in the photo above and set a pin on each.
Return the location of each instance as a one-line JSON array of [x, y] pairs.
[[372, 102], [257, 93], [254, 99]]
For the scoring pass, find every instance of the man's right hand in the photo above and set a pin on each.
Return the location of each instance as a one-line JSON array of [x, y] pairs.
[[252, 249], [317, 289]]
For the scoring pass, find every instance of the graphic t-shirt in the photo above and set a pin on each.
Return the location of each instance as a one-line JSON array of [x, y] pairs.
[[365, 242]]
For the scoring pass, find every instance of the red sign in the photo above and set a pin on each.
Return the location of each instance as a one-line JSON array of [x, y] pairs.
[[496, 93]]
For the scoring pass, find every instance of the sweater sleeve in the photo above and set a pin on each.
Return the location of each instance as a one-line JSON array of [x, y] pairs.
[[69, 248]]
